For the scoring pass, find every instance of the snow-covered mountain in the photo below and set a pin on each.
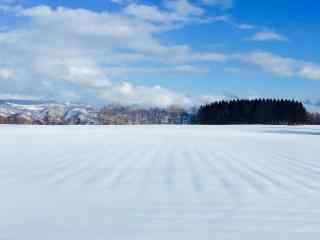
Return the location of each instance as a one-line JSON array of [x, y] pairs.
[[37, 112], [52, 113]]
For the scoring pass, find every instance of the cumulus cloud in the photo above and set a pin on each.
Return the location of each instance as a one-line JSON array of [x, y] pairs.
[[268, 36], [66, 53], [154, 96]]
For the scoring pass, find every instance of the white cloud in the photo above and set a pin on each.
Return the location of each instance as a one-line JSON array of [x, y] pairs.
[[265, 36], [172, 14], [245, 26], [282, 66], [126, 72], [210, 56], [220, 3], [92, 54], [270, 62], [87, 75], [154, 96], [17, 97], [6, 74], [310, 71], [150, 13], [184, 8], [189, 69], [76, 53]]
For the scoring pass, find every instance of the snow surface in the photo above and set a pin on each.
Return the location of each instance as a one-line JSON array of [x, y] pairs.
[[159, 182]]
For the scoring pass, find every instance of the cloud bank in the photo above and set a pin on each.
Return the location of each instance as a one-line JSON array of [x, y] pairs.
[[79, 54]]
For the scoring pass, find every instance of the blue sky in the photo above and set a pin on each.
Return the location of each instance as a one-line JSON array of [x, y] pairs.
[[159, 53]]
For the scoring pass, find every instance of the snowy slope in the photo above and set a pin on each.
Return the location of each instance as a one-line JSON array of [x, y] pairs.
[[50, 112], [159, 182]]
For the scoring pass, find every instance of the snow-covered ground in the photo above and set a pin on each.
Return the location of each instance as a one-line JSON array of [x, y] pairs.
[[159, 182]]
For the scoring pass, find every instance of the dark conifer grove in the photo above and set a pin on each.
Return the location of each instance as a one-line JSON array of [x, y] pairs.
[[259, 111]]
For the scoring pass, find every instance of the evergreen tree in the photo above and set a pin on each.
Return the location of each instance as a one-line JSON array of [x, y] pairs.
[[258, 111]]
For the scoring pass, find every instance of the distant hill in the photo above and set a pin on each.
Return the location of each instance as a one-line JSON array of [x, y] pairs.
[[53, 113], [265, 111]]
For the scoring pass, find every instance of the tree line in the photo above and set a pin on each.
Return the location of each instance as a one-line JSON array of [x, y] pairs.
[[258, 111]]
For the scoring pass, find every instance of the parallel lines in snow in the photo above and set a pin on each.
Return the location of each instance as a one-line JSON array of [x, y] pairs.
[[169, 170], [196, 177], [211, 162]]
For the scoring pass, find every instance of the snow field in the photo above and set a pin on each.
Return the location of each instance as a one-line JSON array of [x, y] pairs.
[[159, 182]]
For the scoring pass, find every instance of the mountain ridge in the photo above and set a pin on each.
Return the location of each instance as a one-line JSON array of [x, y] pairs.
[[54, 113]]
